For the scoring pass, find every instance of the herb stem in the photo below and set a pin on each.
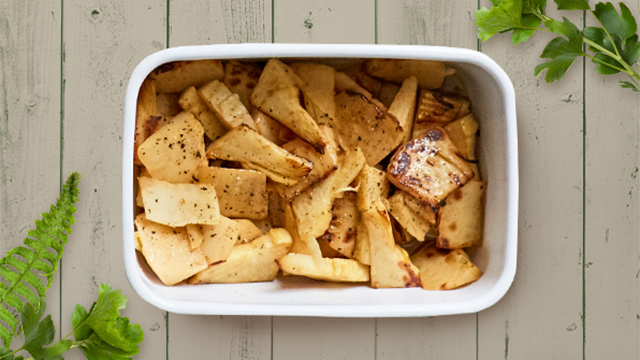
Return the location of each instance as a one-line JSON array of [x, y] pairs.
[[605, 63]]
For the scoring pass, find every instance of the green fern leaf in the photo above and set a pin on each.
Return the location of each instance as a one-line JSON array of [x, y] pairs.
[[24, 268]]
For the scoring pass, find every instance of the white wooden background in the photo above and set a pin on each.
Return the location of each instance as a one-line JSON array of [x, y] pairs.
[[64, 67]]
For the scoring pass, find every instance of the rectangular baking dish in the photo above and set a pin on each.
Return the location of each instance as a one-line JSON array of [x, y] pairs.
[[493, 103]]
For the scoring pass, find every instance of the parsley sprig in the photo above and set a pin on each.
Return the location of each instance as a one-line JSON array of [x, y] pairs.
[[613, 46]]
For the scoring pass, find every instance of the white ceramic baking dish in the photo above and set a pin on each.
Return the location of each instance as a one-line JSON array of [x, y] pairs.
[[493, 102]]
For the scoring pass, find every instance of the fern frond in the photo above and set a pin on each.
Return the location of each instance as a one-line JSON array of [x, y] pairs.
[[24, 268]]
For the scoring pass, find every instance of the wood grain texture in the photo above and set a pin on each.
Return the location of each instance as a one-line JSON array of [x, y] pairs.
[[103, 41], [219, 337], [29, 122], [541, 313], [612, 252], [205, 22], [327, 21], [427, 23]]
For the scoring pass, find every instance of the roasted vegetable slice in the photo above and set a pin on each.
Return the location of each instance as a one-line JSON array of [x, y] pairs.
[[445, 269], [191, 101], [218, 240], [278, 95], [390, 264], [318, 83], [241, 78], [429, 167], [403, 107], [414, 223], [462, 133], [462, 217], [372, 186], [430, 74], [179, 204], [341, 234], [146, 115], [241, 193], [250, 262], [168, 252], [175, 151], [434, 107], [338, 270], [179, 75], [226, 105], [365, 123], [254, 151]]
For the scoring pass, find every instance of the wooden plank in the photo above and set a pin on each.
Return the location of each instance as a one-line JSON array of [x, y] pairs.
[[327, 21], [541, 312], [427, 23], [103, 41], [203, 22], [612, 260], [29, 122], [210, 22]]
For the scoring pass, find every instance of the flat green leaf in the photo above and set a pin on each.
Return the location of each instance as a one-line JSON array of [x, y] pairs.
[[522, 35], [604, 69], [631, 50], [622, 27], [94, 348], [533, 6], [500, 18], [81, 331], [628, 85], [38, 334], [572, 4], [4, 354], [104, 319], [563, 53]]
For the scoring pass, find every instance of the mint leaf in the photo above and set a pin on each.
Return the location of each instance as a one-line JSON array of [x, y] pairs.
[[572, 4], [105, 322], [38, 333], [503, 16], [620, 27], [522, 35]]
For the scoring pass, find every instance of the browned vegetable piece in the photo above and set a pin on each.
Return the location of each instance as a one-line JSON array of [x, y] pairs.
[[226, 105], [430, 74], [434, 107], [241, 78], [365, 123], [146, 115], [175, 151], [372, 186], [271, 128], [418, 207], [168, 252], [463, 134], [167, 104], [254, 151], [403, 107], [415, 224], [461, 219], [278, 95], [341, 234], [429, 167], [178, 75], [241, 193], [445, 269]]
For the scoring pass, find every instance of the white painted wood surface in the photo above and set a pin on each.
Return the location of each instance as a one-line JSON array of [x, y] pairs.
[[576, 293]]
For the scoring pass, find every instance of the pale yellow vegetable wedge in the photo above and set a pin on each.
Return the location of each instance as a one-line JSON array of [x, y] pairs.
[[372, 186], [336, 270], [445, 269], [318, 86], [278, 95], [463, 134], [146, 110], [390, 264], [179, 75], [250, 262], [191, 101], [430, 74], [241, 193], [226, 105], [414, 223], [168, 252], [254, 151], [219, 240], [247, 231], [241, 78], [403, 107], [461, 219], [175, 151], [179, 204], [341, 234]]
